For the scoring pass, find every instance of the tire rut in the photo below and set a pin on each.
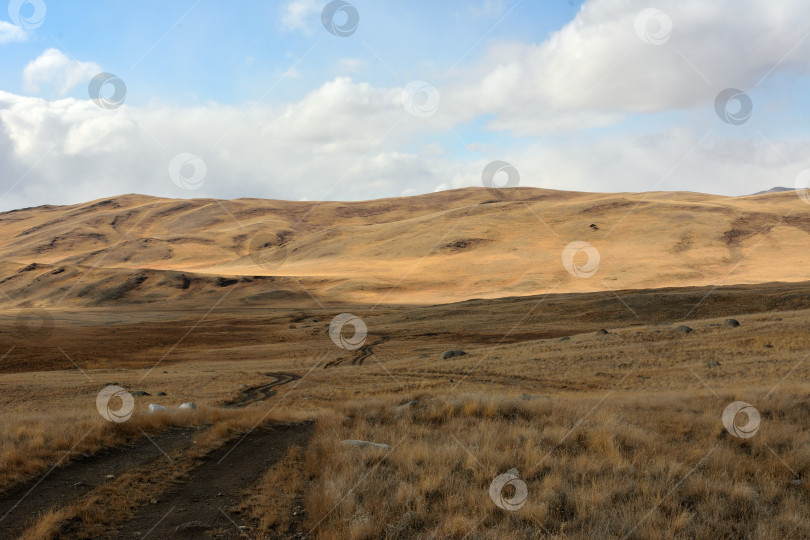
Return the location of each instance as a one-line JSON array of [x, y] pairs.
[[20, 505], [214, 486], [260, 392]]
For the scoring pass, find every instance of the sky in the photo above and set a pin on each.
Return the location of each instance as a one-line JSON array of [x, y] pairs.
[[317, 100]]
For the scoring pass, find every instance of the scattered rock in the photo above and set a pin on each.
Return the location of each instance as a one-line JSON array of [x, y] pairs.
[[528, 397], [731, 323], [192, 526], [452, 354], [153, 408], [161, 393], [714, 363], [139, 393], [683, 329], [565, 338], [354, 443], [189, 405]]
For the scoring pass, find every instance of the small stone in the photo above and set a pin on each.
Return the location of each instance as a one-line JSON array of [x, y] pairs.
[[683, 329], [731, 323], [161, 393], [513, 471], [110, 476], [453, 353], [712, 364], [153, 501], [153, 408], [364, 444], [602, 331], [111, 384], [189, 405], [565, 338], [139, 393]]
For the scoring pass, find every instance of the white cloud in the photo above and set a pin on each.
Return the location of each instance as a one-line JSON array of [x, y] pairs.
[[297, 14], [55, 69], [343, 141], [596, 69], [11, 32]]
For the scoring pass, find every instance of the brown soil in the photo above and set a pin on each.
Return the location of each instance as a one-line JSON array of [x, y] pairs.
[[23, 503], [214, 487]]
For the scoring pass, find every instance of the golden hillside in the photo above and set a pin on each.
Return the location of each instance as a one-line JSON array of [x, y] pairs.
[[435, 248]]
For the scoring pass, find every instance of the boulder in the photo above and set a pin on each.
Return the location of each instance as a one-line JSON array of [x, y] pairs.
[[154, 407], [452, 354], [354, 443]]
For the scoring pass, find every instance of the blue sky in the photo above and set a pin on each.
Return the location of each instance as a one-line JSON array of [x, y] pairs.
[[592, 95]]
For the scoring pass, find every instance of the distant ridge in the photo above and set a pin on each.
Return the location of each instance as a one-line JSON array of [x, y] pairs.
[[777, 189], [435, 248]]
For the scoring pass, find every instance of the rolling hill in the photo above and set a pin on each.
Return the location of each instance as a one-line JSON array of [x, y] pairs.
[[435, 248]]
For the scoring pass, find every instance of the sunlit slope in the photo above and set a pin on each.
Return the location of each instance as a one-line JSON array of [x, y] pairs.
[[440, 247]]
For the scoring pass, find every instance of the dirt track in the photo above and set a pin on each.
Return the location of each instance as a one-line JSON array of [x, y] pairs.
[[21, 504], [215, 486], [261, 392]]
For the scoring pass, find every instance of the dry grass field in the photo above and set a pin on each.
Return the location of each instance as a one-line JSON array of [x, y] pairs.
[[604, 403]]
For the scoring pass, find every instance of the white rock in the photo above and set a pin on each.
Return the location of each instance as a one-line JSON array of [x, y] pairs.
[[189, 405], [364, 444], [156, 408]]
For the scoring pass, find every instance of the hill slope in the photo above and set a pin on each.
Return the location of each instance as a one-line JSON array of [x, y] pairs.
[[435, 248]]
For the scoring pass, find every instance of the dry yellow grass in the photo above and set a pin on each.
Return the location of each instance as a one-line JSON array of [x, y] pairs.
[[628, 467], [433, 248], [615, 435]]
